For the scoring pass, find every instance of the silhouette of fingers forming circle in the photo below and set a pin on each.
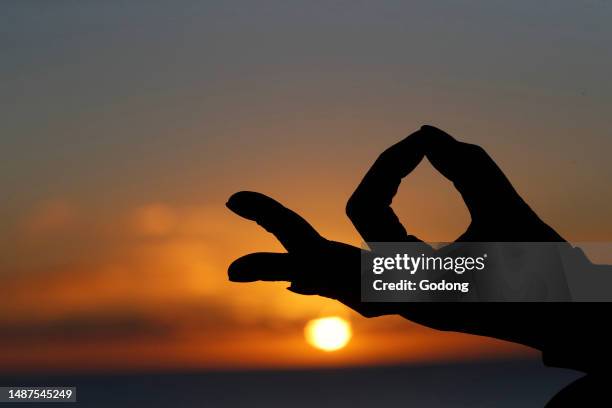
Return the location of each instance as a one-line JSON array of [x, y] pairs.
[[488, 194]]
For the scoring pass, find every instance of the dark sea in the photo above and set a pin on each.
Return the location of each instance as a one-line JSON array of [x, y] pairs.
[[486, 384]]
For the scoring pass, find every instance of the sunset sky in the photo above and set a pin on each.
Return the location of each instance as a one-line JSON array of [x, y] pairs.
[[125, 126]]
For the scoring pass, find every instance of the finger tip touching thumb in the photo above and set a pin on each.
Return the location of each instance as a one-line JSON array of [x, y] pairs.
[[436, 132], [426, 128]]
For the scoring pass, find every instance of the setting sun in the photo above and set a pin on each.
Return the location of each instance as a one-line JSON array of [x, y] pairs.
[[328, 333]]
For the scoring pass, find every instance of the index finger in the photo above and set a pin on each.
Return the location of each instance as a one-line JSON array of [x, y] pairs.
[[369, 208]]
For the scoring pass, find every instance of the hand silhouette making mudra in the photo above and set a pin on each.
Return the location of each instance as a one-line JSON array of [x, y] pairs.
[[315, 265]]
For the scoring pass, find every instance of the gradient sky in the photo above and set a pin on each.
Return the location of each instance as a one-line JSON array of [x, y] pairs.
[[126, 125]]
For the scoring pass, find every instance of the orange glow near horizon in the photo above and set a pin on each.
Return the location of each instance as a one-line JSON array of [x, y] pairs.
[[258, 349], [153, 294]]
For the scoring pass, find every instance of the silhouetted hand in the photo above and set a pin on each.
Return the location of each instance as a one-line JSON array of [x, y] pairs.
[[315, 265]]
